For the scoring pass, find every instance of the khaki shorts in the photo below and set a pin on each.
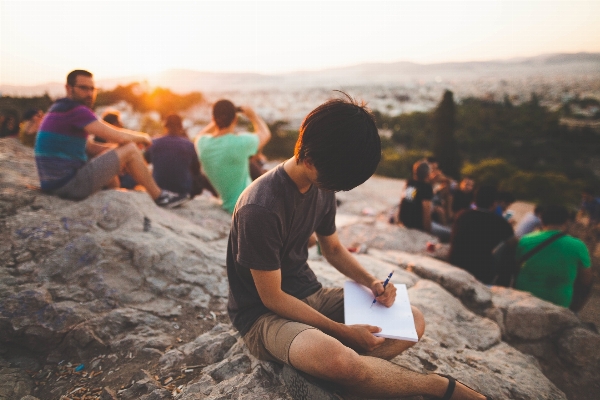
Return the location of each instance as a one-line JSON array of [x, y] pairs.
[[92, 177], [271, 336]]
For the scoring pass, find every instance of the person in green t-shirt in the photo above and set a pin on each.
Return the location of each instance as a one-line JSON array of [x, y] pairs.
[[560, 272], [224, 153]]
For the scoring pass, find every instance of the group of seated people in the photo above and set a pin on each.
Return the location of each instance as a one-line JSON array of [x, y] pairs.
[[78, 154], [431, 201], [543, 261], [26, 129]]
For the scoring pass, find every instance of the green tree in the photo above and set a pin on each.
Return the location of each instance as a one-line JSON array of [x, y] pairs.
[[544, 187], [445, 147], [399, 165], [162, 100], [283, 141], [489, 172]]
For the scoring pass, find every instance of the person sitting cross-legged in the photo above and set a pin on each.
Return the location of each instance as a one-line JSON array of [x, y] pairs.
[[277, 304], [64, 141], [416, 204]]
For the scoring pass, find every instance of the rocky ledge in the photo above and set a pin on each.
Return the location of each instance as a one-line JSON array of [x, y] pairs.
[[96, 303]]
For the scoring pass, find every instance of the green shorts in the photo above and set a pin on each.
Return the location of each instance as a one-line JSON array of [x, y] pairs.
[[271, 336]]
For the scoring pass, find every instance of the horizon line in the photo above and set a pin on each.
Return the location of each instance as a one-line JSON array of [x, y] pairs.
[[342, 66]]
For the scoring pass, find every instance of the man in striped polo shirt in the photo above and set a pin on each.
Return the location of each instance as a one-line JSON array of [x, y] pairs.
[[64, 142]]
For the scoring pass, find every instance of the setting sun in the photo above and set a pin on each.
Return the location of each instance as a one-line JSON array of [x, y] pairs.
[[41, 41]]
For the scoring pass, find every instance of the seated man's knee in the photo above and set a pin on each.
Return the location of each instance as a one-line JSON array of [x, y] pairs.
[[127, 151], [419, 321], [347, 368]]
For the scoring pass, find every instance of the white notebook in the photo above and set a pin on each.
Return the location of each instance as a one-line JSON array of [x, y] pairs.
[[396, 322]]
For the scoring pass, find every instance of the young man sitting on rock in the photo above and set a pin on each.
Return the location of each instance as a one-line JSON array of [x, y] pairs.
[[64, 142], [475, 234], [560, 271], [275, 300]]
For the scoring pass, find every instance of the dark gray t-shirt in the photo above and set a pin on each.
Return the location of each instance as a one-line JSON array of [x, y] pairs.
[[271, 225]]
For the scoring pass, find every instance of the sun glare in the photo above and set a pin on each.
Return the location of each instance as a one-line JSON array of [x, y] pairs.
[[132, 38]]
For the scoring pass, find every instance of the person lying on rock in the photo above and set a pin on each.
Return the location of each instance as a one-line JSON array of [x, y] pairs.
[[64, 141], [282, 312]]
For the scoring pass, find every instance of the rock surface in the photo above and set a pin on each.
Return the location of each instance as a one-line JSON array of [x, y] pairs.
[[91, 303]]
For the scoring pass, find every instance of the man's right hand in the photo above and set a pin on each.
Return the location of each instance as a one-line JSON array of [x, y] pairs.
[[247, 111], [361, 338], [143, 139]]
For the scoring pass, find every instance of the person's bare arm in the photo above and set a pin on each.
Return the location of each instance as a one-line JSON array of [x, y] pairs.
[[268, 285], [112, 134], [427, 215], [94, 148], [260, 126], [341, 259], [210, 128], [582, 288]]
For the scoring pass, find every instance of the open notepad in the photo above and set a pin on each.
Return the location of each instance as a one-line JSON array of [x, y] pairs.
[[396, 322]]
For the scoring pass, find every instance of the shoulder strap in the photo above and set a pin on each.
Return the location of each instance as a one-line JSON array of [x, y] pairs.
[[540, 246]]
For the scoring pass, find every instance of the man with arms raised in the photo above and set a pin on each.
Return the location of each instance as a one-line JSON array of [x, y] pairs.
[[275, 300], [224, 153], [64, 142]]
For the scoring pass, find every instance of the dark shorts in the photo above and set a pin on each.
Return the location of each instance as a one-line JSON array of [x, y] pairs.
[[92, 177], [271, 336]]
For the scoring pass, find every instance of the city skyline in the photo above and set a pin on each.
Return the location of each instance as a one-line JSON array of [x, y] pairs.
[[41, 42]]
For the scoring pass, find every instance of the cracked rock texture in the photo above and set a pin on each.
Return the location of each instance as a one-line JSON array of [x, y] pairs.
[[85, 278]]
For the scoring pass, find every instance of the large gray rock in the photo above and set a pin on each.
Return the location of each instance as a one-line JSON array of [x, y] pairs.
[[209, 348], [449, 322], [501, 372], [527, 317], [84, 281], [457, 281]]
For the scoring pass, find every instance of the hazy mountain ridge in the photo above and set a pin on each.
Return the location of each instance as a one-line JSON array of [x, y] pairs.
[[185, 80]]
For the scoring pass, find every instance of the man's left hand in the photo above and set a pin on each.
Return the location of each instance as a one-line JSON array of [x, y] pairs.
[[385, 296]]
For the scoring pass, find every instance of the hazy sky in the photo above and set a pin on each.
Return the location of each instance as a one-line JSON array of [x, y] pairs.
[[41, 41]]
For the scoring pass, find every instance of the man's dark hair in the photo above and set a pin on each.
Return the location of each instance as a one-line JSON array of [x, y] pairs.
[[421, 170], [431, 160], [113, 118], [506, 197], [223, 113], [342, 141], [174, 125], [30, 113], [485, 197], [72, 77], [554, 215]]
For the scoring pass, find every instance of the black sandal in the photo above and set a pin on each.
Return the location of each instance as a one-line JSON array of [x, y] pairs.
[[452, 386]]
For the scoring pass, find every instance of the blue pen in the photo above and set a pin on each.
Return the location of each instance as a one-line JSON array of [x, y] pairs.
[[384, 285]]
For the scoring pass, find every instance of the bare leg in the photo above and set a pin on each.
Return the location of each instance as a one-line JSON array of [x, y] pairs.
[[114, 183], [323, 356], [131, 158]]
